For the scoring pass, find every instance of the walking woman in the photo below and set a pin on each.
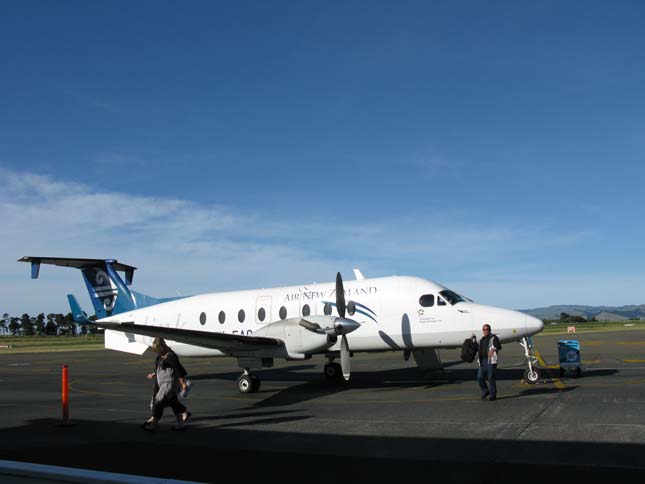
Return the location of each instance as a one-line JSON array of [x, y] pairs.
[[169, 378]]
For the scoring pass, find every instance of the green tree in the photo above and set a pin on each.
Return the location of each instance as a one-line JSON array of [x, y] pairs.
[[4, 323], [51, 328], [27, 324], [72, 324], [40, 324], [14, 326], [67, 325], [60, 319]]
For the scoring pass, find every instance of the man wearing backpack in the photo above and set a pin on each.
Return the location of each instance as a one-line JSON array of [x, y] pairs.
[[489, 345]]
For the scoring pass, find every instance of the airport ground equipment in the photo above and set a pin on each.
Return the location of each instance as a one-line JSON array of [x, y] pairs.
[[569, 357]]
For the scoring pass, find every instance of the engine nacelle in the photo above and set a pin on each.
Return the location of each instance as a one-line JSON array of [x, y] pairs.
[[298, 340]]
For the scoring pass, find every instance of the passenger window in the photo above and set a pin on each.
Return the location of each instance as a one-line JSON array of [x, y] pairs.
[[283, 313], [351, 308], [261, 314], [327, 309], [427, 300], [222, 317], [241, 315], [440, 302], [306, 311], [202, 319]]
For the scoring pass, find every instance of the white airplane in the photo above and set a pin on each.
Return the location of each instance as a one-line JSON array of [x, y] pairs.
[[397, 313]]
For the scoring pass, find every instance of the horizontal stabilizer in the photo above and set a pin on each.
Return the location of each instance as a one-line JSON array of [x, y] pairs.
[[108, 292], [77, 264], [116, 340]]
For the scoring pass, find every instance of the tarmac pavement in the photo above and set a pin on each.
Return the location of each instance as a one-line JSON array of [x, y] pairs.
[[391, 420]]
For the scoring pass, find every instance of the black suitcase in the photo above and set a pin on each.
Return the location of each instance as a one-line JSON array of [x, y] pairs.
[[469, 349]]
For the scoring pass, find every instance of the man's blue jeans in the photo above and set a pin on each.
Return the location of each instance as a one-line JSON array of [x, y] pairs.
[[486, 374]]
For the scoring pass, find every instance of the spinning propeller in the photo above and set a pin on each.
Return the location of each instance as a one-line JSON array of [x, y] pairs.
[[341, 326]]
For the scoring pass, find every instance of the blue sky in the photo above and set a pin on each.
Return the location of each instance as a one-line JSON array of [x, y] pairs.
[[494, 147]]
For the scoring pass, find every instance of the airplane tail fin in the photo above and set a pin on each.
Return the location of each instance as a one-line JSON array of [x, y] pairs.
[[80, 316], [108, 292]]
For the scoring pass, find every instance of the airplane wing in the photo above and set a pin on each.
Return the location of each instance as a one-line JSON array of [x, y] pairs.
[[233, 344]]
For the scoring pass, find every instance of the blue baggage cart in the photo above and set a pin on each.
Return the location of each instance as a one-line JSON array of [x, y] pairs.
[[569, 355]]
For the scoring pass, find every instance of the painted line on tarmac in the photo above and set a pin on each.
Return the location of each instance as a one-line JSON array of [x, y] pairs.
[[71, 387], [556, 381], [584, 362]]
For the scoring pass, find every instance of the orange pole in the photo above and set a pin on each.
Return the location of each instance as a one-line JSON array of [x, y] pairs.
[[65, 394]]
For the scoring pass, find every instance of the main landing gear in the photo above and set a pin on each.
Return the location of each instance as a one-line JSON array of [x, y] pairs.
[[248, 382], [532, 374], [333, 371]]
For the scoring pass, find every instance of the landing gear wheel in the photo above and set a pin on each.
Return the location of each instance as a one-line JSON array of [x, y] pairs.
[[532, 376], [248, 384], [333, 371]]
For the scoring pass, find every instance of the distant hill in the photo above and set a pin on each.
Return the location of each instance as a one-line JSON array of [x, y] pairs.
[[601, 313]]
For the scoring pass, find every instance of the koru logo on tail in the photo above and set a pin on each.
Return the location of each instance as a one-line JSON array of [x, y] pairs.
[[104, 288]]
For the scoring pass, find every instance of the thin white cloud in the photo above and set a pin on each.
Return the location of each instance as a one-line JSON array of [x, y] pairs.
[[190, 247]]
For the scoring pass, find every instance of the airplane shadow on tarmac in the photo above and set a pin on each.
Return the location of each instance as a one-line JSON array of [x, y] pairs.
[[225, 455], [313, 385]]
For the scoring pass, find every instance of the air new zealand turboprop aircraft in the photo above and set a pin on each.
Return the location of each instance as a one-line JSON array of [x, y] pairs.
[[398, 313]]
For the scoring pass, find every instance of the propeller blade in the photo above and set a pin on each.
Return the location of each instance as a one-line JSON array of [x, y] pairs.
[[344, 358], [315, 327], [340, 296]]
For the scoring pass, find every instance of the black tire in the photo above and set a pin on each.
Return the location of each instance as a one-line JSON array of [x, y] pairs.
[[333, 372], [245, 384], [578, 372], [532, 377]]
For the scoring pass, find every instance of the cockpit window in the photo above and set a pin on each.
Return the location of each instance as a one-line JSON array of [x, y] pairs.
[[452, 297], [427, 300]]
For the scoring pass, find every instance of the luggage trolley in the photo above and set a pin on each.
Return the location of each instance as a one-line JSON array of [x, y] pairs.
[[569, 356]]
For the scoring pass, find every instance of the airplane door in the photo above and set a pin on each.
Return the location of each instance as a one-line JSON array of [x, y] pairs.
[[263, 310]]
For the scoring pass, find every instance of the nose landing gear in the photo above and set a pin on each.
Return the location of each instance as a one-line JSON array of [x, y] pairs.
[[532, 374]]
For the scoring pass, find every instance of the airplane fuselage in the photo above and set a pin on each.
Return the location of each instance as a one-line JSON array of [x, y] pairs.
[[396, 313]]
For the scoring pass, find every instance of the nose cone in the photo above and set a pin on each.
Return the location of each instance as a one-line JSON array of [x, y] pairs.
[[533, 325], [345, 325]]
